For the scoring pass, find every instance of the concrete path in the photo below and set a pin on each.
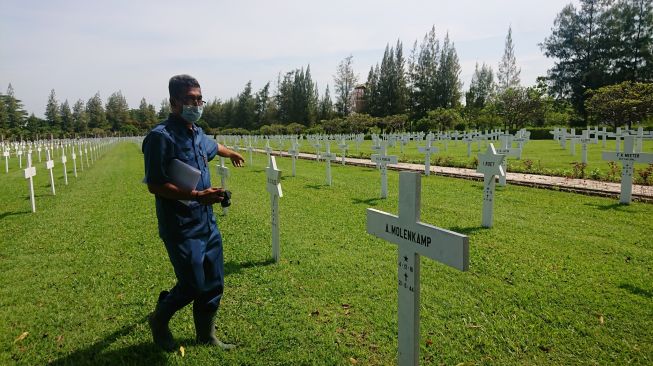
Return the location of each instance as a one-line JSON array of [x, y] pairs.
[[584, 186]]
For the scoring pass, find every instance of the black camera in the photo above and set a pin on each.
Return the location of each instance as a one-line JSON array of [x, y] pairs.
[[226, 199]]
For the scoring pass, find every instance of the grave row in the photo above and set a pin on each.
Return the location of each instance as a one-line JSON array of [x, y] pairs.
[[592, 135], [87, 151]]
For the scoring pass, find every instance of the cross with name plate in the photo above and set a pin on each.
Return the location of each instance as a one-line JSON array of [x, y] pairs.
[[30, 172], [427, 151], [49, 165], [490, 164], [293, 152], [274, 188], [382, 160], [628, 159], [328, 156], [414, 238]]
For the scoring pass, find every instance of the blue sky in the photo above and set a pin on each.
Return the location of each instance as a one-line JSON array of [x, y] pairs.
[[79, 48]]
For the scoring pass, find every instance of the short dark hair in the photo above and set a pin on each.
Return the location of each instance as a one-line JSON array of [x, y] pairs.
[[178, 85]]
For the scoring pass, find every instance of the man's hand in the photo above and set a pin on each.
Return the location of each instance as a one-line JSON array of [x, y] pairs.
[[210, 196], [237, 159]]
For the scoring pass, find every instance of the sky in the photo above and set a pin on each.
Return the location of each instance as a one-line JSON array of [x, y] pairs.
[[79, 48]]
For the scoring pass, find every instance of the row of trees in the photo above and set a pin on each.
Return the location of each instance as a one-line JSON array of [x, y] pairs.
[[603, 51]]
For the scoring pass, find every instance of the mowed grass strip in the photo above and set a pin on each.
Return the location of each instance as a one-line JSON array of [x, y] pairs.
[[560, 279]]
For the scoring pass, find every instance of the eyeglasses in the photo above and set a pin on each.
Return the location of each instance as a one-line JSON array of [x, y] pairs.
[[193, 100]]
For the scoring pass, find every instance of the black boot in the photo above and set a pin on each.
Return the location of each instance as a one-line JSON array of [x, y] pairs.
[[158, 321], [205, 328]]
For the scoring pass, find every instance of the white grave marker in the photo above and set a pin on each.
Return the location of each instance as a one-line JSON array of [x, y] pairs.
[[628, 158], [74, 156], [49, 165], [6, 155], [328, 156], [30, 172], [274, 188], [490, 164], [427, 151], [20, 158], [343, 148], [382, 160], [413, 239], [64, 159]]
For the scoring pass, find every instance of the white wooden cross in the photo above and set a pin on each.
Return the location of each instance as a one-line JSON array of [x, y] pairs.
[[81, 155], [639, 139], [382, 160], [343, 148], [38, 149], [223, 173], [49, 165], [64, 159], [317, 147], [274, 188], [413, 239], [507, 150], [628, 159], [294, 153], [468, 140], [490, 165], [585, 140], [20, 158], [268, 149], [427, 151], [5, 153], [328, 156], [249, 150], [30, 172], [74, 156]]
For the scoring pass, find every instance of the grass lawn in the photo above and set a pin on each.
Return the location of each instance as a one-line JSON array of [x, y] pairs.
[[543, 156], [561, 278]]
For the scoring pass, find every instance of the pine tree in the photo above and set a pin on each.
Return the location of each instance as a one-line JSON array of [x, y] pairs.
[[164, 109], [97, 118], [481, 88], [423, 68], [447, 79], [53, 113], [345, 80], [261, 105], [508, 75], [400, 84], [117, 111], [13, 109], [326, 106], [80, 118], [245, 113], [67, 122]]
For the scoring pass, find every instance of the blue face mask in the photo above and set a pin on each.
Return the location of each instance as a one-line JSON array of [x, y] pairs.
[[192, 113]]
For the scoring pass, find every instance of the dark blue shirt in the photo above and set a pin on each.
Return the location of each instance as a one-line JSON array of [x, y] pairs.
[[172, 139]]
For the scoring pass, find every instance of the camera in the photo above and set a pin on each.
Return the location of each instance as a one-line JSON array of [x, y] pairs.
[[226, 199]]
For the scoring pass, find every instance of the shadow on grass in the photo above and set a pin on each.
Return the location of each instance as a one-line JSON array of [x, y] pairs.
[[636, 290], [467, 230], [235, 267], [368, 202], [316, 186], [138, 354], [12, 213], [612, 206]]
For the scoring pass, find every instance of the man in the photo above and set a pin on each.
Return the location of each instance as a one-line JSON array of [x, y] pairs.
[[188, 230]]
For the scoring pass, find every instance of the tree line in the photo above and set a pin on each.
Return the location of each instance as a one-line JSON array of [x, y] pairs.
[[603, 57]]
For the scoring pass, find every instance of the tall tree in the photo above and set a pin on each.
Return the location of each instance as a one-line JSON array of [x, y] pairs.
[[508, 74], [261, 105], [97, 118], [146, 115], [326, 106], [447, 82], [245, 113], [53, 113], [117, 111], [481, 88], [164, 109], [344, 81], [80, 118], [67, 123], [15, 113], [422, 70]]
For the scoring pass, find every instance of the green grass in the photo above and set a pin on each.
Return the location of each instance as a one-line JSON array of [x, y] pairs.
[[543, 156], [561, 279]]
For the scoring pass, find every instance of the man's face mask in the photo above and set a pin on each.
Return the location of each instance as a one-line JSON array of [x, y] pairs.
[[192, 113]]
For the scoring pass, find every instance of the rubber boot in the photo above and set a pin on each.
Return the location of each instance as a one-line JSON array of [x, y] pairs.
[[158, 321], [205, 328]]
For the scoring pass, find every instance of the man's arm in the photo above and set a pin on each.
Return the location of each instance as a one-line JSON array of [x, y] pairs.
[[170, 191], [236, 159]]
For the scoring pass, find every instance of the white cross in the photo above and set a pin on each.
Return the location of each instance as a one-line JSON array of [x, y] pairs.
[[274, 188], [5, 153], [49, 165], [427, 151], [382, 160], [30, 172], [413, 239], [628, 159], [268, 149], [249, 150], [64, 159], [317, 147], [74, 156], [20, 158], [328, 156], [468, 140], [223, 173], [490, 165], [293, 152], [39, 151], [584, 140], [343, 148], [507, 150]]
